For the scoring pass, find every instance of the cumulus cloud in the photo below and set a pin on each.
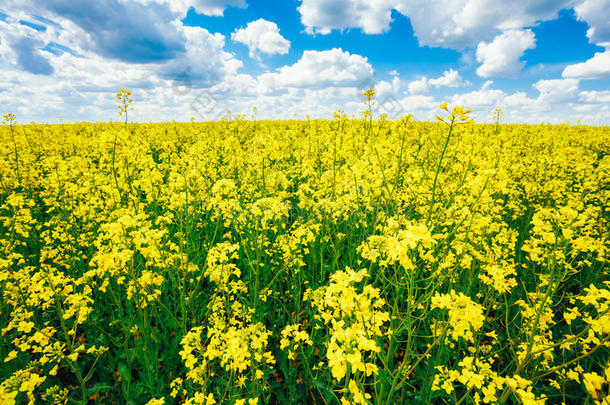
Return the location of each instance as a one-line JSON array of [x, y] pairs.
[[595, 14], [127, 31], [597, 67], [595, 96], [449, 78], [421, 106], [478, 100], [322, 16], [501, 57], [319, 69], [262, 35], [556, 90], [204, 63], [387, 94], [213, 8], [450, 24], [458, 24], [71, 68], [558, 100], [210, 7], [21, 45], [80, 78], [29, 56], [419, 86], [385, 88], [149, 36]]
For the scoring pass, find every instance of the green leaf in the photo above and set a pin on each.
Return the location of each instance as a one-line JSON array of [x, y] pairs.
[[97, 388], [124, 372]]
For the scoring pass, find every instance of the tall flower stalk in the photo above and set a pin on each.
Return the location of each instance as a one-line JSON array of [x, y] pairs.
[[10, 120]]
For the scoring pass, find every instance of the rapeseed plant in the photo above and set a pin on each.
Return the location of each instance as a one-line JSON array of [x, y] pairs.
[[125, 100], [343, 261]]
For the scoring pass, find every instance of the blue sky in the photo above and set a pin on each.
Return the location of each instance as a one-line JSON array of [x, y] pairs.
[[539, 60]]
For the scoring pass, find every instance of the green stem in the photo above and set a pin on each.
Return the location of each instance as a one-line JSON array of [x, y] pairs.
[[559, 367], [438, 169], [16, 154], [116, 180], [72, 364]]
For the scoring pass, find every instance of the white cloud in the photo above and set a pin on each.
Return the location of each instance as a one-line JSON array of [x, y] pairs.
[[556, 90], [457, 24], [419, 86], [262, 35], [594, 96], [79, 88], [478, 99], [595, 68], [501, 56], [123, 30], [318, 69], [558, 101], [595, 13], [81, 82], [214, 8], [211, 7], [86, 73], [520, 100], [451, 24], [190, 54], [385, 89], [421, 106], [322, 16], [21, 46], [205, 62], [449, 78]]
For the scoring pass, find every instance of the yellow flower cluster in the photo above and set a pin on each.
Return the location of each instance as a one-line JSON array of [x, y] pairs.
[[352, 260], [230, 336], [501, 277], [292, 334], [465, 316], [401, 242], [354, 318]]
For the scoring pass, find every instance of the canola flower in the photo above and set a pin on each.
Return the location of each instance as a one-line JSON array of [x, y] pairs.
[[125, 101], [351, 261]]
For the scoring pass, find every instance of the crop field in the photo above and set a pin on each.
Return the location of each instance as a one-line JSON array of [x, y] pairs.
[[340, 261]]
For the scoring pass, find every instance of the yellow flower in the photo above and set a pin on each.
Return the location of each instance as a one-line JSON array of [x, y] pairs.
[[369, 94], [593, 382], [209, 399], [30, 384], [11, 356], [465, 316]]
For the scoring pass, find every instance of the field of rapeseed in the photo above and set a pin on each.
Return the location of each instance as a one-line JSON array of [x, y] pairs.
[[343, 261]]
